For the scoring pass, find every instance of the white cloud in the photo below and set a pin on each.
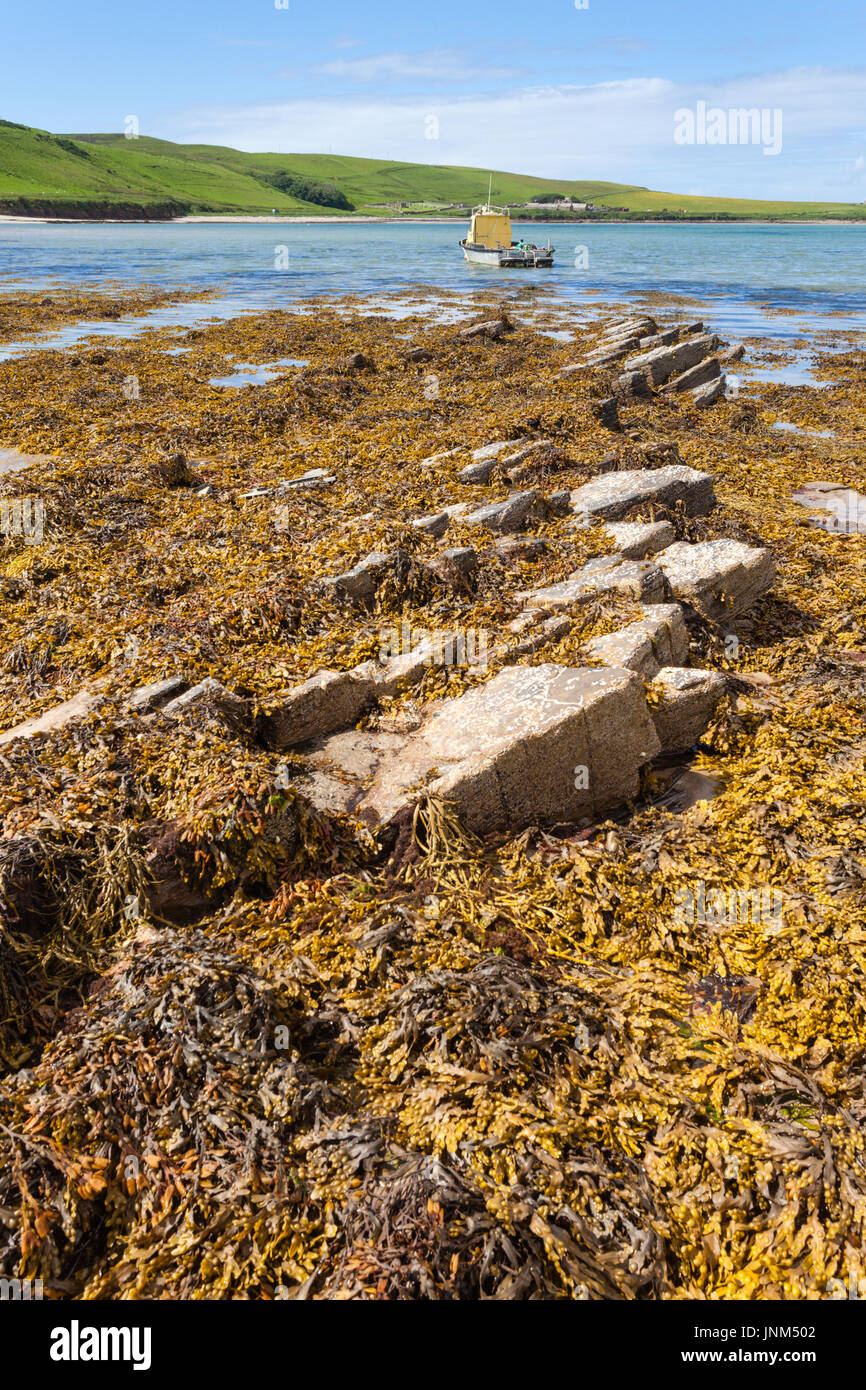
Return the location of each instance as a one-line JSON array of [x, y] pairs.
[[435, 64], [622, 131]]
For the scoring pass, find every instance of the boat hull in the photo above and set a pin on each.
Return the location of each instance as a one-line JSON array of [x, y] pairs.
[[501, 257]]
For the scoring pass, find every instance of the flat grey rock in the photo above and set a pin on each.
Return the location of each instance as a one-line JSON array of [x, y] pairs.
[[718, 578], [612, 495]]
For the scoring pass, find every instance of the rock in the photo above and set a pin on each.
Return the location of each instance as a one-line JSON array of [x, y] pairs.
[[512, 752], [212, 697], [550, 630], [456, 565], [456, 509], [573, 368], [682, 703], [342, 766], [314, 477], [149, 697], [510, 515], [520, 548], [439, 458], [641, 325], [611, 352], [362, 581], [633, 386], [418, 354], [664, 362], [434, 526], [606, 412], [58, 717], [705, 371], [492, 451], [327, 701], [560, 502], [612, 495], [710, 393], [637, 579], [508, 461], [736, 353], [663, 339], [718, 578], [477, 472], [635, 540], [358, 362], [657, 639], [491, 328]]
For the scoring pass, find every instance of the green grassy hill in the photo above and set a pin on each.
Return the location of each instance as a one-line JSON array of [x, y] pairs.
[[105, 175]]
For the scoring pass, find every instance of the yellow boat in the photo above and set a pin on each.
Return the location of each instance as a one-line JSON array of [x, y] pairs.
[[489, 241]]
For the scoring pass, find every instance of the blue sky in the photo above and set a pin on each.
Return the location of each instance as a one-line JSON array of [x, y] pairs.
[[539, 86]]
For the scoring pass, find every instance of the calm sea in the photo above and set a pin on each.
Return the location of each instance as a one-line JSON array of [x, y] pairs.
[[778, 280]]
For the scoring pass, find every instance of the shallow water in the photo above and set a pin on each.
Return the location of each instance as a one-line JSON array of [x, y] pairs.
[[842, 510], [249, 374], [774, 281]]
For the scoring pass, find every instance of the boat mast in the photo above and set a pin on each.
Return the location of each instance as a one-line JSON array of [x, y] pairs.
[[489, 190]]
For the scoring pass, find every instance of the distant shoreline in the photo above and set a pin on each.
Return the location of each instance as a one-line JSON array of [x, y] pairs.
[[242, 219]]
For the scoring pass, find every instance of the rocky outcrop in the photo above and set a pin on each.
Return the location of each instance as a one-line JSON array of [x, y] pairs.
[[512, 514], [635, 540], [682, 703], [718, 578], [657, 639], [613, 495], [534, 744], [664, 362], [327, 701]]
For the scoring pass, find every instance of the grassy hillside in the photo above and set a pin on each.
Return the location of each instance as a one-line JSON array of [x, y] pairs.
[[92, 175]]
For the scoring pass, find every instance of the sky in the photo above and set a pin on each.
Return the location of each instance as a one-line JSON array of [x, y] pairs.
[[576, 89]]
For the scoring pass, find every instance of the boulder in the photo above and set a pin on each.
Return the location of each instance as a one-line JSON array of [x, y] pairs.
[[736, 353], [664, 362], [699, 375], [711, 392], [327, 701], [457, 563], [491, 328], [362, 581], [657, 639], [477, 472], [718, 578], [517, 751], [443, 454], [682, 703], [607, 413], [633, 385], [510, 515], [492, 451], [635, 540], [357, 362], [611, 496], [340, 767]]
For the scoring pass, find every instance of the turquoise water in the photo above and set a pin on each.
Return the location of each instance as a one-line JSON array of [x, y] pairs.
[[741, 275]]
